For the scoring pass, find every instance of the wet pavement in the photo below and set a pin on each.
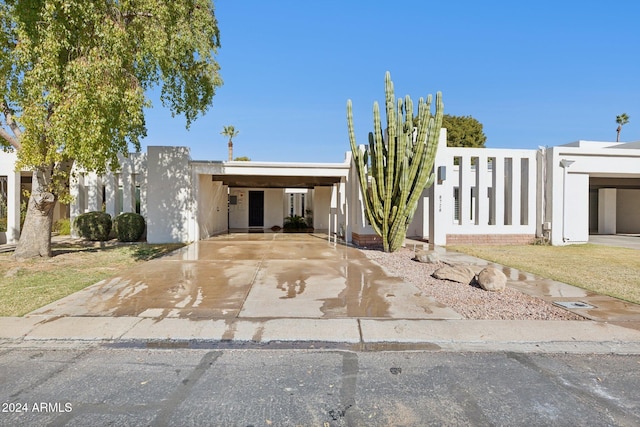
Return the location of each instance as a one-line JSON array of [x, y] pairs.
[[271, 275], [301, 289]]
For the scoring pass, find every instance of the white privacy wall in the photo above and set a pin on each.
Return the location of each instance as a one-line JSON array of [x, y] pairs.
[[169, 199]]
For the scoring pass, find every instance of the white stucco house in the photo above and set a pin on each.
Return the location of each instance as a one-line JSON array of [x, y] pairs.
[[481, 195]]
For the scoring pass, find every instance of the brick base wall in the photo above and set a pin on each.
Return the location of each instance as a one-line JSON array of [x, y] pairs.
[[490, 239], [366, 240]]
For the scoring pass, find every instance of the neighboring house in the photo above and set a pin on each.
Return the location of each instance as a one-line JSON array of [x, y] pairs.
[[480, 195]]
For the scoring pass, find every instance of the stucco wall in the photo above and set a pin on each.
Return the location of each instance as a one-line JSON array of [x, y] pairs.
[[212, 207], [239, 213], [576, 217], [169, 203], [321, 206], [419, 226], [273, 207], [628, 211], [273, 202]]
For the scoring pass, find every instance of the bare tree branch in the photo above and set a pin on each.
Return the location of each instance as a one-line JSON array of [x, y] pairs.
[[8, 114], [12, 140]]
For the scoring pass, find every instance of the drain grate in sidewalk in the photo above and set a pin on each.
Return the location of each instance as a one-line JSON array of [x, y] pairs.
[[573, 304]]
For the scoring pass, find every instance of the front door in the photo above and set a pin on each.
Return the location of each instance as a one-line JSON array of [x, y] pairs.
[[256, 208]]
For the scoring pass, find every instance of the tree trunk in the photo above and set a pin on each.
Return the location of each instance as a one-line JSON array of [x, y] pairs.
[[35, 238], [230, 150]]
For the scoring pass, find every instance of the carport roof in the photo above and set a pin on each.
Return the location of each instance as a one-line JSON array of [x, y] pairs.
[[275, 181], [274, 175]]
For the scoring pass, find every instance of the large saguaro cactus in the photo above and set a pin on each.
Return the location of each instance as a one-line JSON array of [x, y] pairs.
[[395, 168]]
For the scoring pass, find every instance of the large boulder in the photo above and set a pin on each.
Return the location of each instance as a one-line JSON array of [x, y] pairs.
[[428, 257], [455, 273], [492, 279]]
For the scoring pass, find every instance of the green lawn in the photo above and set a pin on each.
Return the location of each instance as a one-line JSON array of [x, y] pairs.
[[26, 286], [603, 269]]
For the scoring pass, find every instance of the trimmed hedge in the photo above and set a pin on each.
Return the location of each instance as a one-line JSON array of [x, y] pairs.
[[93, 225], [129, 226]]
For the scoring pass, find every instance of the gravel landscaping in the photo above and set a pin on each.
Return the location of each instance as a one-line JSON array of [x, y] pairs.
[[468, 300]]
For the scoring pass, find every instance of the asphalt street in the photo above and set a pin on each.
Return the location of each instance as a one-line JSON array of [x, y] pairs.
[[101, 385]]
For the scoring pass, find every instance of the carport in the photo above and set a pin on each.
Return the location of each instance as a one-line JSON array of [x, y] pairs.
[[614, 205], [257, 196], [592, 187]]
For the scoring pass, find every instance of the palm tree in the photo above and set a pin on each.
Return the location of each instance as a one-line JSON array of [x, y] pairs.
[[621, 120], [231, 132]]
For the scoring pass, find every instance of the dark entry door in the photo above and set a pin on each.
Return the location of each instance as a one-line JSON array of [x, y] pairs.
[[256, 208]]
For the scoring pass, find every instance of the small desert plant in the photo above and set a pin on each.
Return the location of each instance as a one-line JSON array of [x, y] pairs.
[[295, 222], [541, 241], [129, 226], [93, 225]]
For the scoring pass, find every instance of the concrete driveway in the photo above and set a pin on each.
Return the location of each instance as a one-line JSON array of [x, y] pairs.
[[255, 275], [631, 241]]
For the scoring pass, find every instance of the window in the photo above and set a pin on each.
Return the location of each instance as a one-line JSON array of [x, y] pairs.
[[135, 188], [291, 203], [456, 204]]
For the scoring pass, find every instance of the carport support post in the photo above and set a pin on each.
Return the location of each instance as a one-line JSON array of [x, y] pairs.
[[607, 199], [344, 209], [333, 213]]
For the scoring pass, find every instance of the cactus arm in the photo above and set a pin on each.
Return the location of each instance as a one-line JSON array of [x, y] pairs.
[[379, 153], [394, 172]]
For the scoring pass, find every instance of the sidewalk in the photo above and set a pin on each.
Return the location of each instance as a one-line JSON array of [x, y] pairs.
[[299, 292], [359, 334]]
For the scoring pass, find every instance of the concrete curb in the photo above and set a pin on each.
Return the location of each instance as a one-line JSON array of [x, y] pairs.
[[536, 336]]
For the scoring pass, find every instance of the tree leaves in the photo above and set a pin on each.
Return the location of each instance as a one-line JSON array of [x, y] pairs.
[[463, 131], [76, 72]]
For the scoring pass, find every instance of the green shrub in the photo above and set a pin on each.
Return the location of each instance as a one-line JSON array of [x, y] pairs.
[[93, 225], [62, 226], [308, 217], [3, 224], [295, 222], [129, 227]]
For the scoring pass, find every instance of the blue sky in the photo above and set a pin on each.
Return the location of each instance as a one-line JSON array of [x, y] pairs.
[[533, 73]]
